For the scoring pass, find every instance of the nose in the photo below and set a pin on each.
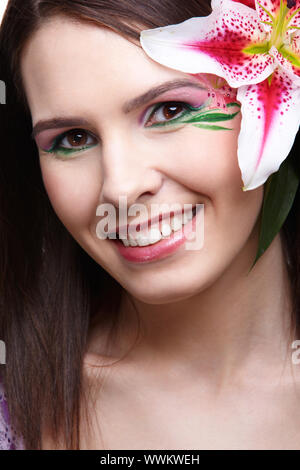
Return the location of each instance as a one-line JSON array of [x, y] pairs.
[[128, 170]]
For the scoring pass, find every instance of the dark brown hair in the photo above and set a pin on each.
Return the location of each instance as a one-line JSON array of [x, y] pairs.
[[50, 289]]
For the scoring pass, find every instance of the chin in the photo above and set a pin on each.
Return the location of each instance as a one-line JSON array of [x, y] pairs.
[[169, 289]]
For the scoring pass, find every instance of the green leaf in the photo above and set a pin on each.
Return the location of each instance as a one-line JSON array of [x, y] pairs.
[[212, 127], [257, 48], [229, 105], [211, 117], [290, 56], [280, 192], [293, 15], [270, 78]]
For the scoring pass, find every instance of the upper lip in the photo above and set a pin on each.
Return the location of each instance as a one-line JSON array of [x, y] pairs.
[[142, 225]]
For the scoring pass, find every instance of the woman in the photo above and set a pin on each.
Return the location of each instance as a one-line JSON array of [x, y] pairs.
[[212, 367]]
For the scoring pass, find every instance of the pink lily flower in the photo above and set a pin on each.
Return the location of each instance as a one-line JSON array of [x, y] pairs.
[[255, 47]]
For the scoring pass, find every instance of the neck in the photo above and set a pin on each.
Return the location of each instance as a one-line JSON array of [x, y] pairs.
[[231, 326]]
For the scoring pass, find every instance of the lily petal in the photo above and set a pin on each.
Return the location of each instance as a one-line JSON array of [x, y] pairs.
[[264, 6], [289, 59], [269, 126], [266, 11], [295, 15], [214, 44], [272, 7], [248, 3], [217, 3]]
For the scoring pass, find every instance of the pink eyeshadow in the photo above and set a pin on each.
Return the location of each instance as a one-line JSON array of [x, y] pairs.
[[46, 138], [195, 97]]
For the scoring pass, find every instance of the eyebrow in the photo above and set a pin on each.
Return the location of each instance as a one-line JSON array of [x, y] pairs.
[[159, 90], [59, 122]]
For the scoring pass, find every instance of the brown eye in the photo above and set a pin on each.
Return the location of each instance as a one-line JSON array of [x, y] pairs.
[[166, 112], [77, 138], [170, 111]]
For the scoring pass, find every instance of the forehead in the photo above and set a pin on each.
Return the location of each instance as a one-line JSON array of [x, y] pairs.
[[65, 63]]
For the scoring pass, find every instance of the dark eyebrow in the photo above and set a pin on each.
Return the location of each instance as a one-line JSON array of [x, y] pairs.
[[59, 122], [159, 90]]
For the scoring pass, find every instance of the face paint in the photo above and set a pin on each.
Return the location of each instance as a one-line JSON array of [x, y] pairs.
[[203, 117], [217, 96], [207, 106], [56, 148], [257, 51]]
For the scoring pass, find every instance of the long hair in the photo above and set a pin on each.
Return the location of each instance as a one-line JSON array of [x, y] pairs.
[[50, 288]]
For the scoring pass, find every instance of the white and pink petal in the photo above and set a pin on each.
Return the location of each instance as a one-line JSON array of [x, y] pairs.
[[214, 44], [267, 9], [294, 14], [295, 50], [289, 60], [270, 122], [249, 3]]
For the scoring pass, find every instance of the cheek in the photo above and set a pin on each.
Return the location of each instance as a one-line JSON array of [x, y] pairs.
[[206, 161], [217, 161], [73, 189]]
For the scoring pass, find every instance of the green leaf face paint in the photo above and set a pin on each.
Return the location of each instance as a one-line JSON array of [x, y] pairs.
[[214, 109], [203, 115], [58, 149]]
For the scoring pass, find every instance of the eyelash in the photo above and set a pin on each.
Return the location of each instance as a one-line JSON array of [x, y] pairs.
[[187, 108], [55, 148]]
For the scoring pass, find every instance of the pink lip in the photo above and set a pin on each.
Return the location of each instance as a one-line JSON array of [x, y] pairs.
[[162, 249]]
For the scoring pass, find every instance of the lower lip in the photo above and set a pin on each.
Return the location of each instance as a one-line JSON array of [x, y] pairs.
[[159, 250]]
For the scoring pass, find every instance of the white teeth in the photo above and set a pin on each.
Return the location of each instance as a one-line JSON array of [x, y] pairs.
[[185, 219], [166, 230], [142, 241], [158, 232], [176, 223], [155, 235], [126, 242], [187, 216], [132, 241]]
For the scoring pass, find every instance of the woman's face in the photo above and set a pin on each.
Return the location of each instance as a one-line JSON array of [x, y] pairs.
[[110, 148]]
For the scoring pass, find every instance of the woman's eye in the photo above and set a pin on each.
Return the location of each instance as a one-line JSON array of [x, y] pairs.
[[76, 139], [72, 141], [166, 112]]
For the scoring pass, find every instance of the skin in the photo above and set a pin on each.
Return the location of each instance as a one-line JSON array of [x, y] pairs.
[[212, 367]]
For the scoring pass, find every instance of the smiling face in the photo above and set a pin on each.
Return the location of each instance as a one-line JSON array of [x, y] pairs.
[[98, 142]]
